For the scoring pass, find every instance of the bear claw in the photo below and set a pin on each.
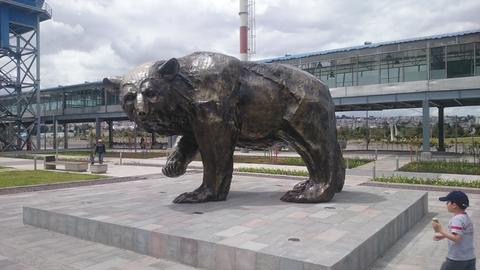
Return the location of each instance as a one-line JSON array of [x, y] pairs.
[[309, 192]]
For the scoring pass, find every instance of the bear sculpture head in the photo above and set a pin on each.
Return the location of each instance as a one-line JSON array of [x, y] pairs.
[[150, 96]]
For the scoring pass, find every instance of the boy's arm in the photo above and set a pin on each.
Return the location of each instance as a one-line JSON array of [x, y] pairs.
[[451, 236]]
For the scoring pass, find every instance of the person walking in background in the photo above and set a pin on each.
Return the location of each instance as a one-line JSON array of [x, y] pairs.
[[100, 150], [142, 143], [461, 251], [29, 144]]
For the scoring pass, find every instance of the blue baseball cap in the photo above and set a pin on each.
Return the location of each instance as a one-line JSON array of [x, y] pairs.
[[458, 197]]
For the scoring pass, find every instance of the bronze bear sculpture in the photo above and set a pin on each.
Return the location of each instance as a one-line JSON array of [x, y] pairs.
[[217, 102]]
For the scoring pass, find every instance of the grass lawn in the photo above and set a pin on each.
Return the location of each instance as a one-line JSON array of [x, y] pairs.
[[273, 171], [139, 154], [295, 161], [15, 178], [461, 140], [355, 162], [455, 167], [426, 181]]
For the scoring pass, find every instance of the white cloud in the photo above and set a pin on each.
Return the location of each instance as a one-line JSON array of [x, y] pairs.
[[72, 66]]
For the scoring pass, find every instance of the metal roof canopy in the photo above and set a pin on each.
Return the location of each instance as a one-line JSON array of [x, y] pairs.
[[368, 46]]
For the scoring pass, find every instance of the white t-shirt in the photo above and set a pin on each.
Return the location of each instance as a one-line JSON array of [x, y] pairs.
[[464, 250]]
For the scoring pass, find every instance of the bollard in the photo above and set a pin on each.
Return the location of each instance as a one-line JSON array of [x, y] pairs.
[[397, 163], [347, 163], [376, 154], [374, 170], [35, 162], [121, 162]]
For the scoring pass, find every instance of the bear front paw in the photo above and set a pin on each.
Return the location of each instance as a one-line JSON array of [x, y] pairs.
[[174, 169]]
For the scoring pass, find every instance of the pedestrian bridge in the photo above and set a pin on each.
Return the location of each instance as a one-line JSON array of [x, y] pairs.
[[91, 102], [440, 93]]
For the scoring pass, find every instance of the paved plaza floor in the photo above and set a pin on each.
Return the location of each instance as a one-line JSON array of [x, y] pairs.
[[27, 247]]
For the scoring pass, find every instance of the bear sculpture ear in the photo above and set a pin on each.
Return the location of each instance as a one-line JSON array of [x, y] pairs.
[[169, 70], [112, 83]]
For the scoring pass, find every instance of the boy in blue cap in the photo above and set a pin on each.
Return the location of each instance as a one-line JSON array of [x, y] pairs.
[[461, 251]]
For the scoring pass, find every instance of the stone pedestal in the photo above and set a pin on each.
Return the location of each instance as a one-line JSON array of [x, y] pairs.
[[98, 168], [253, 229], [76, 166], [49, 163]]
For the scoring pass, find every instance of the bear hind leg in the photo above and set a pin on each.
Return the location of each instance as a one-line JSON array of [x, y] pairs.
[[318, 188]]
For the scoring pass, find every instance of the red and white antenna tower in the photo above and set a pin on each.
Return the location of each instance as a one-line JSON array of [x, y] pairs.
[[247, 29]]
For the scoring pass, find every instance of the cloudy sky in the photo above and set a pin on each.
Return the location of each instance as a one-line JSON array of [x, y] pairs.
[[90, 39]]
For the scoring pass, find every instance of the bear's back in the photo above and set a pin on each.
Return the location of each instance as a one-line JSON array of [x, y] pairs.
[[208, 70], [295, 81]]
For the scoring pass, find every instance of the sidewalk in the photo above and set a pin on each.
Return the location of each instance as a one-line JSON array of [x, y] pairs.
[[25, 247], [385, 165]]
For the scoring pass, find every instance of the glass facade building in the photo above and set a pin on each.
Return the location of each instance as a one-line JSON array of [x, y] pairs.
[[55, 100], [430, 58], [445, 56]]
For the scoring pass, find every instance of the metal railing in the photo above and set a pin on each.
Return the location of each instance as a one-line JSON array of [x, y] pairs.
[[451, 84]]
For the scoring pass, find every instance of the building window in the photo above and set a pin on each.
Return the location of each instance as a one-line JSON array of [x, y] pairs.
[[368, 70], [327, 73], [415, 65], [51, 102], [460, 60], [84, 98], [113, 97], [437, 63], [345, 75], [391, 70], [317, 69], [477, 60]]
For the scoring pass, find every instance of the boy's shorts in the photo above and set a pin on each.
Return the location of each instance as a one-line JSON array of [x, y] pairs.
[[458, 265]]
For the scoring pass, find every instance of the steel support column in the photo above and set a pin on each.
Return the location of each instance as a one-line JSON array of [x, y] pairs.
[[441, 130], [65, 135], [110, 133], [36, 84], [426, 126], [170, 142], [55, 143], [153, 140], [98, 130]]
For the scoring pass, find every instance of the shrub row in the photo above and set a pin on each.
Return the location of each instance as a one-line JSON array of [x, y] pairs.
[[455, 167], [398, 179]]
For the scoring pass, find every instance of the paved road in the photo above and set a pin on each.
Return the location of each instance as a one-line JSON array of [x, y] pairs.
[[25, 247]]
